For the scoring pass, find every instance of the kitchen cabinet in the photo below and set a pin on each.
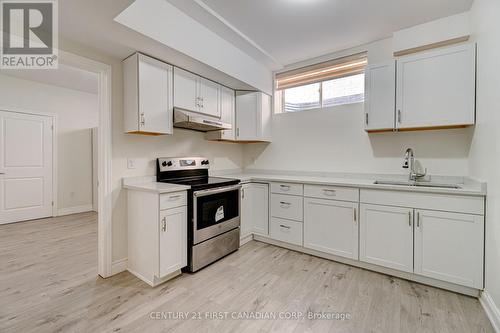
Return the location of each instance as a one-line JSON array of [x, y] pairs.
[[194, 93], [254, 209], [380, 96], [386, 236], [331, 226], [227, 115], [148, 95], [173, 240], [253, 116], [450, 247], [157, 235], [436, 88]]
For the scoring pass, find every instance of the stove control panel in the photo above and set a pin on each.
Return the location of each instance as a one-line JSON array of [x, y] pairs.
[[182, 163]]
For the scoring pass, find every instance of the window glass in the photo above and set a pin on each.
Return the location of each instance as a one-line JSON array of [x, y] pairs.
[[345, 90], [302, 98]]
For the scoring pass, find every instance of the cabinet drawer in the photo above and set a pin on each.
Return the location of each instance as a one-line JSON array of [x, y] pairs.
[[172, 200], [287, 207], [287, 188], [331, 192], [286, 231], [421, 200]]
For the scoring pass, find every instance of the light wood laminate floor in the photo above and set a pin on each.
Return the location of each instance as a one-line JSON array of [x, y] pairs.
[[48, 283]]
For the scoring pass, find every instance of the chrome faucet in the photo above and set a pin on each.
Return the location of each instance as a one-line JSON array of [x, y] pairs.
[[409, 163]]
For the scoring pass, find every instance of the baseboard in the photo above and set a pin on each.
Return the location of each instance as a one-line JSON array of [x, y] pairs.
[[491, 310], [119, 266], [246, 239], [74, 210]]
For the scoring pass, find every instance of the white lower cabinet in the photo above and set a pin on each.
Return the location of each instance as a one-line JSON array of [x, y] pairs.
[[386, 236], [331, 226], [157, 235], [173, 240], [286, 231], [254, 209], [450, 247]]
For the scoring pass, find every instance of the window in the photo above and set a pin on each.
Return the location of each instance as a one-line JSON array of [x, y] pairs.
[[332, 83]]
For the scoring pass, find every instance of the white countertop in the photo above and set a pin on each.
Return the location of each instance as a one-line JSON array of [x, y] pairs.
[[468, 186], [149, 184]]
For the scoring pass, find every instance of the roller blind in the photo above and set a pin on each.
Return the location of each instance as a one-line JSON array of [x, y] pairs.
[[333, 69]]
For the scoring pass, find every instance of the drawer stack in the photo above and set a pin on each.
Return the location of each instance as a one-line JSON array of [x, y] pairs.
[[287, 212]]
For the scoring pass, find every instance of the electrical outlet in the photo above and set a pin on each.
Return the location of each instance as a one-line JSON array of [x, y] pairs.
[[130, 163]]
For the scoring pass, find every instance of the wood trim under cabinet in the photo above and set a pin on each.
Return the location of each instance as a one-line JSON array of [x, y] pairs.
[[430, 128], [432, 46]]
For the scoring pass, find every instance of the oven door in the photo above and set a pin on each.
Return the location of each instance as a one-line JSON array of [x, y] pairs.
[[215, 211]]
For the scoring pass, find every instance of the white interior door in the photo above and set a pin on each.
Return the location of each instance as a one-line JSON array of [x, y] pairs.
[[25, 166]]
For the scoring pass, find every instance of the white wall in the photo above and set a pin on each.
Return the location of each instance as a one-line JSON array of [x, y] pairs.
[[485, 151], [77, 113], [334, 140], [144, 149]]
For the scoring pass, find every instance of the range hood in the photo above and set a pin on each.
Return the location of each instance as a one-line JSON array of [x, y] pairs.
[[198, 122]]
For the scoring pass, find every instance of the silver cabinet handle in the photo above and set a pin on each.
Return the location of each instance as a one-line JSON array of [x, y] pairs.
[[366, 118], [418, 219], [238, 132], [285, 187], [164, 224], [284, 204], [285, 226], [175, 197], [329, 192], [243, 193], [2, 173], [355, 215], [143, 119], [399, 116], [409, 218]]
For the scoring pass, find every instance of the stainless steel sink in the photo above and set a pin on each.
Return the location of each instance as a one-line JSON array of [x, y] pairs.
[[418, 184]]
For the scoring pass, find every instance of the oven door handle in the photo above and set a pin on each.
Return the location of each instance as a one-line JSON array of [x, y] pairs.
[[204, 193]]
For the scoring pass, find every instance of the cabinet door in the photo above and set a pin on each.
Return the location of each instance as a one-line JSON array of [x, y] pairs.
[[436, 88], [186, 94], [254, 209], [265, 117], [173, 240], [247, 127], [386, 236], [227, 105], [380, 96], [331, 227], [209, 94], [155, 96], [449, 247]]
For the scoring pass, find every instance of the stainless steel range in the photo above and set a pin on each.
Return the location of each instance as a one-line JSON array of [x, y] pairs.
[[213, 208]]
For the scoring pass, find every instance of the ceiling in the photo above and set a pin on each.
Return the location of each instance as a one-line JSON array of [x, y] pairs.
[[91, 23], [64, 76], [294, 30]]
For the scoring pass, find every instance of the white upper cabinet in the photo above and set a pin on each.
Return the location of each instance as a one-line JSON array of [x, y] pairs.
[[450, 247], [436, 88], [227, 115], [331, 226], [209, 94], [148, 97], [253, 116], [194, 93], [380, 96], [186, 90]]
